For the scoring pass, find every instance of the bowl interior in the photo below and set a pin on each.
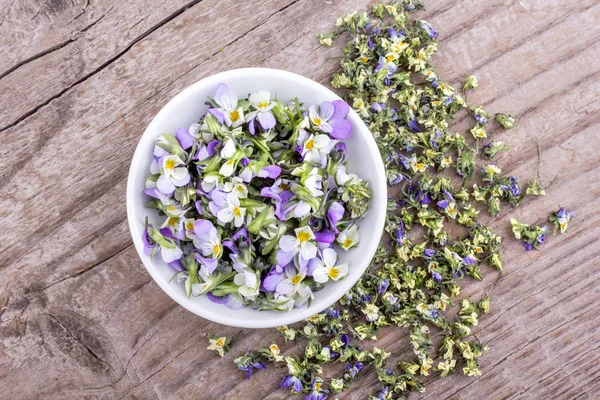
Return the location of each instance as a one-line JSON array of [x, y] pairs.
[[186, 108]]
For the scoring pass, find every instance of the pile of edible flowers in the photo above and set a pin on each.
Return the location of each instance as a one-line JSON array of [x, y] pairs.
[[256, 200]]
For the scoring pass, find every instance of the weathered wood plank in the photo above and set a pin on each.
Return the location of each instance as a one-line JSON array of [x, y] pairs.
[[82, 317]]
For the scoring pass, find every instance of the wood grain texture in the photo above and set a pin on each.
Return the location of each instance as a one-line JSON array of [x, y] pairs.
[[80, 81]]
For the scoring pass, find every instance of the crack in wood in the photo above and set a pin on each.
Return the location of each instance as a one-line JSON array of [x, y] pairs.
[[105, 64], [90, 351]]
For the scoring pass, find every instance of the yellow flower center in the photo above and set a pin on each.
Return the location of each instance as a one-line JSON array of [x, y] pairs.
[[390, 58], [311, 143], [333, 273], [274, 348], [216, 249], [172, 221], [189, 226], [296, 279], [237, 212], [317, 121], [284, 186], [263, 104], [347, 242], [240, 188], [234, 116], [171, 208], [364, 59], [317, 386], [303, 236], [170, 164], [219, 342]]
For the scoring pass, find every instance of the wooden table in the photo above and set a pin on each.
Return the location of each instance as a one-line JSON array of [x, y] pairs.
[[80, 81]]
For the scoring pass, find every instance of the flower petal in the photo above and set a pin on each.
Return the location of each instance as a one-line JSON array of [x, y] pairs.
[[341, 128]]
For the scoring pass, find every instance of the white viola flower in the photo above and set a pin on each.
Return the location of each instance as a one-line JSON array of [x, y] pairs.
[[210, 182], [227, 168], [348, 238], [201, 288], [301, 243], [232, 211], [292, 281], [169, 255], [247, 280], [303, 293], [188, 226], [228, 101], [314, 183], [342, 177], [228, 149], [261, 102], [201, 132], [315, 148], [174, 174], [175, 224], [328, 269], [237, 188]]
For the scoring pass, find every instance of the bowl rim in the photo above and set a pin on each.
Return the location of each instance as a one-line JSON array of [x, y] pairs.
[[287, 317]]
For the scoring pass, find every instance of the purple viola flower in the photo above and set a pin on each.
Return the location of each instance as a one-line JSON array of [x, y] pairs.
[[541, 238], [345, 339], [425, 199], [184, 138], [469, 260], [330, 117], [370, 44], [352, 370], [429, 252], [436, 277], [432, 33], [270, 171], [149, 244], [293, 382], [514, 186], [413, 125], [248, 368], [376, 107], [273, 278], [528, 246], [206, 151], [384, 63], [482, 120], [434, 83], [383, 286], [400, 236], [229, 301], [449, 100], [207, 265], [326, 237], [373, 27], [176, 265], [334, 214], [442, 204], [335, 313]]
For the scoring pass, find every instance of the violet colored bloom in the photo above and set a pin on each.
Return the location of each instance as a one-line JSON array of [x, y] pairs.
[[426, 199], [345, 339], [514, 186], [383, 286], [383, 63], [429, 252], [207, 265], [334, 215], [291, 381], [270, 171], [404, 161], [206, 151], [469, 260], [436, 277], [148, 243], [229, 111], [327, 237], [374, 27], [184, 138], [207, 238], [413, 125], [335, 313], [376, 107], [480, 119], [176, 265], [434, 83], [448, 195], [273, 278], [330, 117], [449, 100], [442, 204], [352, 370], [400, 236], [250, 367], [370, 44], [541, 238], [528, 246]]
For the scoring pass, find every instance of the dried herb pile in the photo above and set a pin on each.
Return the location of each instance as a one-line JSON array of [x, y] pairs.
[[445, 180]]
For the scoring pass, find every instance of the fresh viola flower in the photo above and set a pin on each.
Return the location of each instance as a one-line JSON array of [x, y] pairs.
[[207, 239], [383, 286], [175, 224], [561, 219], [207, 265], [315, 148], [161, 241], [236, 187], [184, 138], [330, 117], [302, 243], [313, 182], [226, 207], [348, 238], [173, 174], [328, 269], [247, 280], [335, 213], [229, 111], [292, 281], [262, 104], [342, 177]]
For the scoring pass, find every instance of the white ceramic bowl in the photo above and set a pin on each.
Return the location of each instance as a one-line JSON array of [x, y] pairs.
[[185, 109]]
